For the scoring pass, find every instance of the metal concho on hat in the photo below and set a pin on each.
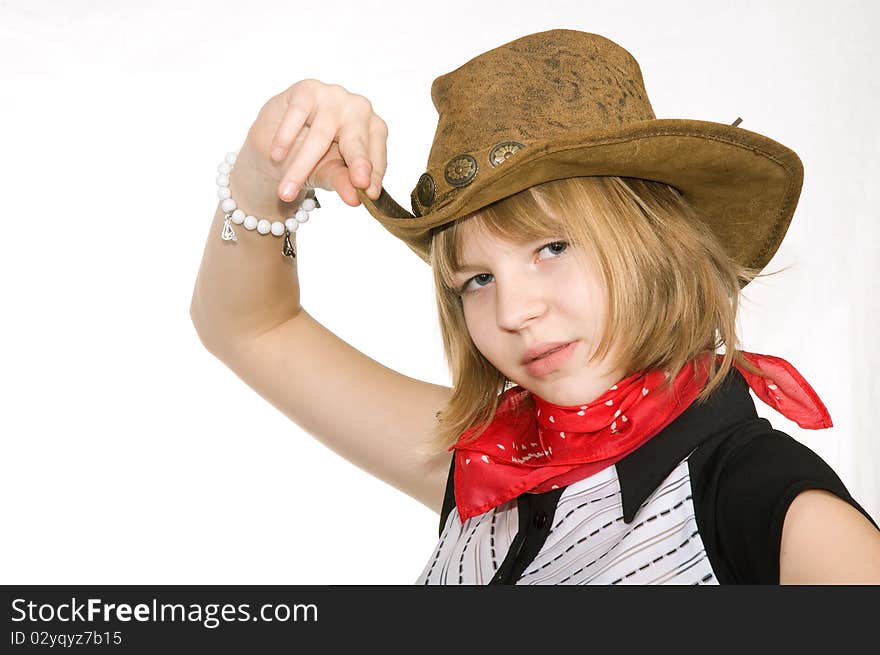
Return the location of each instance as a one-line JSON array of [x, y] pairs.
[[503, 150], [462, 169]]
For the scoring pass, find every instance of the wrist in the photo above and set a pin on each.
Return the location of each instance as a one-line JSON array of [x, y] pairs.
[[271, 216], [256, 193]]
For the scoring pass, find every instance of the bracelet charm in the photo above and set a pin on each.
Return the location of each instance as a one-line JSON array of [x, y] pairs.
[[264, 226]]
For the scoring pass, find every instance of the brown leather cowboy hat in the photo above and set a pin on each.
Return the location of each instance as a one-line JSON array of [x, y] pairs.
[[564, 103]]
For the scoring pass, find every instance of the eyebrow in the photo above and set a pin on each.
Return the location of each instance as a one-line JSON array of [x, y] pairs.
[[467, 268]]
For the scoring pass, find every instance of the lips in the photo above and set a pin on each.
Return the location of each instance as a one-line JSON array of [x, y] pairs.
[[542, 350], [551, 361], [549, 352]]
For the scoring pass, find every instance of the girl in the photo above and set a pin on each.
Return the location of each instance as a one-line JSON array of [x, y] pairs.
[[588, 260]]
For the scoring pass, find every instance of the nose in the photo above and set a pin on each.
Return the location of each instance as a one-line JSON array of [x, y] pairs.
[[518, 302]]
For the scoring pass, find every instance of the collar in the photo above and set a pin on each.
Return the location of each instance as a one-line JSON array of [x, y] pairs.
[[642, 471]]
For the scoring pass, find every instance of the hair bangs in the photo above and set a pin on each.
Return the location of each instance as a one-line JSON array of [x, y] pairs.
[[525, 216]]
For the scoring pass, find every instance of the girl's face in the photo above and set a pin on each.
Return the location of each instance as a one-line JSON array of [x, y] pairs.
[[518, 295]]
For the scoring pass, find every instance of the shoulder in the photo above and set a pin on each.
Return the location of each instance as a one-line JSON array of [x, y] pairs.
[[825, 540], [753, 477]]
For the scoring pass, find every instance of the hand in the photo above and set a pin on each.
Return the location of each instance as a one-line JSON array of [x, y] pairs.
[[320, 136]]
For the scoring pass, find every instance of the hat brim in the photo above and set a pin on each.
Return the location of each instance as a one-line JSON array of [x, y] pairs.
[[744, 185]]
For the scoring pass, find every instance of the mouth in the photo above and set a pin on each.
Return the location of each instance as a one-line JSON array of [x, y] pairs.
[[547, 352], [551, 360]]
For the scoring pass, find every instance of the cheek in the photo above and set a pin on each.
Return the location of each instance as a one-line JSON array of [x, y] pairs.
[[483, 334], [584, 300], [477, 327], [574, 294]]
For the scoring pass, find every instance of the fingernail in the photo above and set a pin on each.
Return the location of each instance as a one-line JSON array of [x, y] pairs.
[[287, 191], [277, 152]]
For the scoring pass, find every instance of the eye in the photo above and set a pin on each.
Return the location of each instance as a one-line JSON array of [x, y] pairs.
[[557, 248]]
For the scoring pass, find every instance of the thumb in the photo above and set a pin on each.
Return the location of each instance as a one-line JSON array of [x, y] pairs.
[[332, 174], [341, 181]]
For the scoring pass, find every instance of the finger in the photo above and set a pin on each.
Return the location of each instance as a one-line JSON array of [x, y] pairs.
[[317, 142], [341, 183], [287, 131], [353, 149], [337, 173], [378, 155]]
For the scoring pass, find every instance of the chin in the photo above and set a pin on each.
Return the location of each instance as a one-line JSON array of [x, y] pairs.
[[565, 391]]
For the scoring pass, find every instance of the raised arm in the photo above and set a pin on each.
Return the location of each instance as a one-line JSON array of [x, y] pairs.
[[246, 301]]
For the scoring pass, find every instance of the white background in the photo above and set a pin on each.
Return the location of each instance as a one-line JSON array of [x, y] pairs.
[[131, 455]]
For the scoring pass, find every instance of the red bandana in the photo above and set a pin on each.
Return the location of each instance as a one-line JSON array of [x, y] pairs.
[[525, 450]]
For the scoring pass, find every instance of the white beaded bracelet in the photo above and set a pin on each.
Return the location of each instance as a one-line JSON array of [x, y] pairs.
[[261, 225]]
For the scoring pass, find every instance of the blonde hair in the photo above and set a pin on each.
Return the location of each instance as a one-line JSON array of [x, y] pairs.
[[672, 290]]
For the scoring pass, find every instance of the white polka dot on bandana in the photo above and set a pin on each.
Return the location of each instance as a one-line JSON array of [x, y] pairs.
[[609, 402], [485, 458]]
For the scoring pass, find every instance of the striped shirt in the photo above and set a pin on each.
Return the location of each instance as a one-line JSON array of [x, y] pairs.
[[703, 502]]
